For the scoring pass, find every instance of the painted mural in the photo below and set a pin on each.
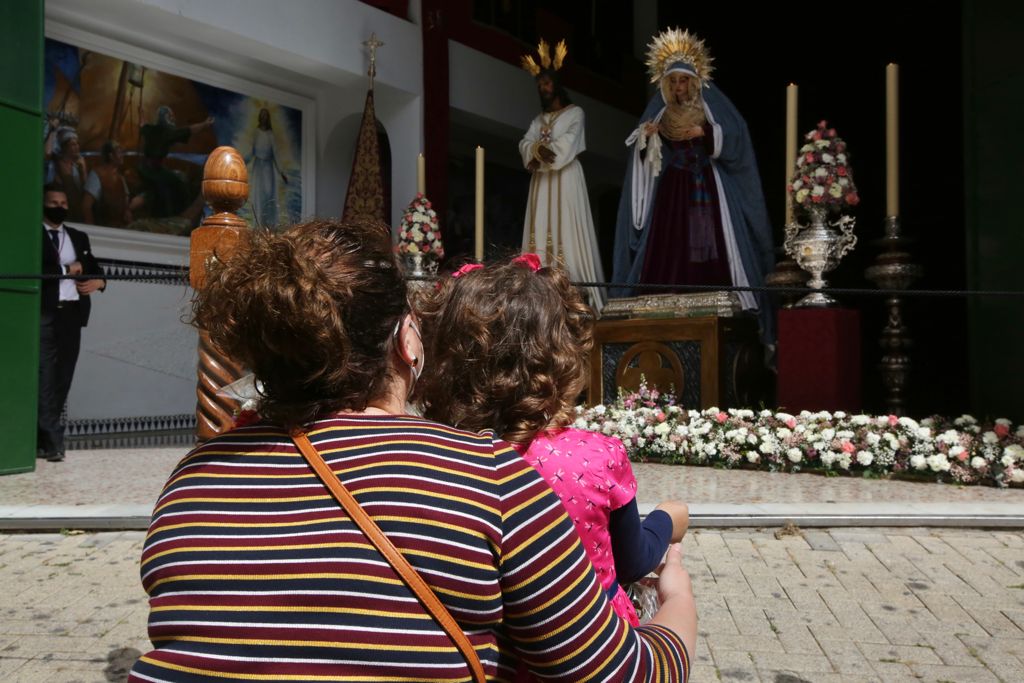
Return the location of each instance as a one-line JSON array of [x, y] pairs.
[[128, 143]]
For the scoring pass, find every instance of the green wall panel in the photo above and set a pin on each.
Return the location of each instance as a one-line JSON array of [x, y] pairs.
[[21, 176], [994, 169]]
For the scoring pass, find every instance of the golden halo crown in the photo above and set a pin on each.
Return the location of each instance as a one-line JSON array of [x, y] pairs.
[[675, 45], [546, 60]]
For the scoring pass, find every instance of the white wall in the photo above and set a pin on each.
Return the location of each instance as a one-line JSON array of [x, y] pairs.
[[138, 357]]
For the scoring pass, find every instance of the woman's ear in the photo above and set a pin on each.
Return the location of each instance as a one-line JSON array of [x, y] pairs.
[[410, 345]]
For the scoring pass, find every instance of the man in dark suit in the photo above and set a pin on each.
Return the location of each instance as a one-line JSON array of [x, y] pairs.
[[65, 311]]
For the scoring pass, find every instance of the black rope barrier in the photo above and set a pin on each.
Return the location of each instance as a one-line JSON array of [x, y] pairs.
[[153, 273]]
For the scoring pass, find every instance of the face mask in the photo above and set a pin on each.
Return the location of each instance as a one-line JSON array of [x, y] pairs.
[[55, 214]]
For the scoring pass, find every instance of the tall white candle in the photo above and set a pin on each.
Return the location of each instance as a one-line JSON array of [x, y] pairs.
[[479, 241], [892, 140], [791, 145], [421, 174]]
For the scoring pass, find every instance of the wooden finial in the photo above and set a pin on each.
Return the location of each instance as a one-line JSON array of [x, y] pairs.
[[225, 180]]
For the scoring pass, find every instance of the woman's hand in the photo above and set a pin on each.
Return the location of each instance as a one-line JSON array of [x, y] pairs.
[[650, 128], [694, 132]]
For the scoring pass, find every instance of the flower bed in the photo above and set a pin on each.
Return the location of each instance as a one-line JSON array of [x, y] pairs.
[[653, 427]]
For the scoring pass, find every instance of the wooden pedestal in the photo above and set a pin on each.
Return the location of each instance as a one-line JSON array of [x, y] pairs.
[[705, 362]]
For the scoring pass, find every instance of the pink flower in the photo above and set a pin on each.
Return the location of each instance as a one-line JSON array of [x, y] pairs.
[[848, 447], [822, 123], [962, 457], [852, 199], [1001, 430], [722, 417], [809, 158], [893, 420], [660, 417], [791, 423], [841, 171]]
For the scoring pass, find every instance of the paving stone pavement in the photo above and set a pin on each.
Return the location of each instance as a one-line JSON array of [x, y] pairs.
[[843, 605]]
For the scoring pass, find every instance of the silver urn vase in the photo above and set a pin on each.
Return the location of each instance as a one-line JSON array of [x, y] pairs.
[[817, 248], [418, 266]]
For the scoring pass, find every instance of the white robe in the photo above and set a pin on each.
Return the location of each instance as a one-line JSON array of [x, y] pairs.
[[559, 226]]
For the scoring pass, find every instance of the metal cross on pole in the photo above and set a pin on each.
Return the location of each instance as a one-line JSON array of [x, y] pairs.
[[373, 43]]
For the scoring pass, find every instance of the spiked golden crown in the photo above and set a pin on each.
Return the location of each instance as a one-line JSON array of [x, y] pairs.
[[546, 60], [675, 45]]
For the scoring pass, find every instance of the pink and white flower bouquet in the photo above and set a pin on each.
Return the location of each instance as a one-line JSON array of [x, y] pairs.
[[419, 231], [822, 177], [653, 427]]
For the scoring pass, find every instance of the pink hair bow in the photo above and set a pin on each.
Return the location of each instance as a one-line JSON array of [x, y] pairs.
[[531, 261], [467, 268]]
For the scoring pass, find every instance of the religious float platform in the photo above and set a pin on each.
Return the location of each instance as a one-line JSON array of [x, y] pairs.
[[700, 346]]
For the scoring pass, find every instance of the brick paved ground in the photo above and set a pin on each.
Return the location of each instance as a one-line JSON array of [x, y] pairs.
[[841, 605]]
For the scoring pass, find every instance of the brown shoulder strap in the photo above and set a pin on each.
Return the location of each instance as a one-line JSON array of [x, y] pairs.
[[393, 556]]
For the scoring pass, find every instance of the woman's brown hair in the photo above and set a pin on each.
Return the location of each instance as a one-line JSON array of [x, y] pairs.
[[507, 350], [311, 311]]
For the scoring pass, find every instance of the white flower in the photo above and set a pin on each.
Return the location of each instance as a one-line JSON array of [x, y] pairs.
[[1020, 432], [957, 451], [822, 144], [841, 158], [835, 190], [938, 462], [600, 409], [979, 463], [860, 420], [794, 455], [753, 457], [828, 434], [768, 447], [844, 434], [918, 462], [844, 460], [765, 413], [873, 439], [1007, 461], [648, 430], [909, 423], [1003, 421], [989, 437], [818, 191], [827, 158], [580, 423], [783, 433], [682, 430], [797, 184], [828, 457], [751, 439], [924, 433], [1015, 451], [845, 182], [949, 436], [662, 429], [800, 429], [839, 414], [965, 420], [865, 458], [710, 449], [783, 417], [818, 445], [1017, 476], [641, 442]]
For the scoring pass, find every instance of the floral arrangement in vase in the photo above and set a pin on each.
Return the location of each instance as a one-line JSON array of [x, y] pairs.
[[964, 450], [822, 177], [419, 231]]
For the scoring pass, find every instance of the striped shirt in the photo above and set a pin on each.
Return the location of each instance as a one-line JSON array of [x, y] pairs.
[[254, 572]]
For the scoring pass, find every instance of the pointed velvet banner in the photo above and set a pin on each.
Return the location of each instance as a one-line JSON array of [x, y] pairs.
[[365, 198]]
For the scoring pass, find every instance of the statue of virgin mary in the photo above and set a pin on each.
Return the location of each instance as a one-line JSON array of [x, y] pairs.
[[692, 211]]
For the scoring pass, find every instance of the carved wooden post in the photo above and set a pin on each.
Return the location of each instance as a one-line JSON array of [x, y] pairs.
[[225, 189]]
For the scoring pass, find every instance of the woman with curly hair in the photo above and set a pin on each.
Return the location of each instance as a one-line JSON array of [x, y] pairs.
[[517, 338], [254, 570]]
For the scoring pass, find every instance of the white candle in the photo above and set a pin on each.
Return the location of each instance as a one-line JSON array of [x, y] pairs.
[[892, 139], [791, 145], [479, 241], [421, 175]]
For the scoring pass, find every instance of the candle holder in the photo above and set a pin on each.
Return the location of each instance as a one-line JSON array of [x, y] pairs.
[[894, 270]]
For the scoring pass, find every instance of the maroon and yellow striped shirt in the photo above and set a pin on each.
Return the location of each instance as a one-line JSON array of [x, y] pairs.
[[255, 573]]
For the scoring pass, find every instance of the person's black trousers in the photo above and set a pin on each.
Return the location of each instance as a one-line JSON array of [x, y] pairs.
[[60, 337]]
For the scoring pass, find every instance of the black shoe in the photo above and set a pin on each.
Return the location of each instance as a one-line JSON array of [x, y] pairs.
[[57, 456]]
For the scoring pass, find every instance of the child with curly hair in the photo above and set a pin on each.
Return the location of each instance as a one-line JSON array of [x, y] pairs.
[[508, 347]]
